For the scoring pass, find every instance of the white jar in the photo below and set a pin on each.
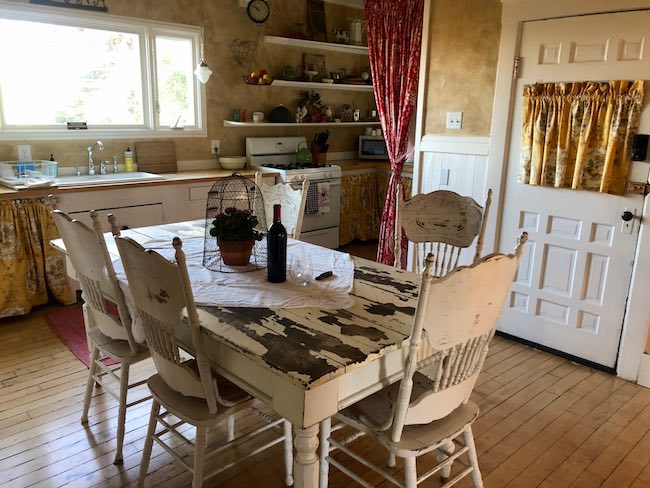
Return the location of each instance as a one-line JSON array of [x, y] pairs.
[[356, 31]]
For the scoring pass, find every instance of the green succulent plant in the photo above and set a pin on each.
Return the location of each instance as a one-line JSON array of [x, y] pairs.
[[235, 225]]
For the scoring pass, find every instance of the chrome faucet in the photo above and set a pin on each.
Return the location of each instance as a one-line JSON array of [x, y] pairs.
[[91, 163], [115, 169]]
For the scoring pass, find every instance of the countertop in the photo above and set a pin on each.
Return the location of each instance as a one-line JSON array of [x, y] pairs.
[[347, 166], [170, 179], [357, 165]]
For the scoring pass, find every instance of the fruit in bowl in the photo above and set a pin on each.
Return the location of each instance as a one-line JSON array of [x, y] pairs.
[[259, 77]]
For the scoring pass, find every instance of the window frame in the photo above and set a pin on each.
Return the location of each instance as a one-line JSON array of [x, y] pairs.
[[147, 31]]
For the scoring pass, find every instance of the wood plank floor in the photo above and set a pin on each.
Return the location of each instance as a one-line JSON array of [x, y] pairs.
[[544, 422]]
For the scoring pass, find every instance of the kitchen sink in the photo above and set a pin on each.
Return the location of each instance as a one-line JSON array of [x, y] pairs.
[[83, 180]]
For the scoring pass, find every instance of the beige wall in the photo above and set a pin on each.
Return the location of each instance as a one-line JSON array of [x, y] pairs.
[[463, 51], [225, 21]]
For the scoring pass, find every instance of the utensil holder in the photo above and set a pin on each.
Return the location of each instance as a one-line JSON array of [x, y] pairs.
[[319, 157]]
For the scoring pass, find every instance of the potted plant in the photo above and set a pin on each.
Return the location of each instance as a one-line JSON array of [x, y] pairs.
[[236, 235]]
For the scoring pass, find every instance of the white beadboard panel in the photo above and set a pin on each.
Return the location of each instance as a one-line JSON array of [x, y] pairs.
[[462, 161], [467, 174]]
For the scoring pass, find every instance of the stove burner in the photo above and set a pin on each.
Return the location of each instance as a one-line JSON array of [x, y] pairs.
[[289, 166]]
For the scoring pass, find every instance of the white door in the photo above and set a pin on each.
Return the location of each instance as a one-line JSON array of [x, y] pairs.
[[571, 289]]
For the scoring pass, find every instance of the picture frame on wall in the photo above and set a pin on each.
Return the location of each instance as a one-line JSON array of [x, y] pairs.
[[316, 16]]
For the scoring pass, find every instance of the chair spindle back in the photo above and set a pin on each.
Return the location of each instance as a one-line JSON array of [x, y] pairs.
[[161, 291], [441, 223], [454, 321], [292, 200], [86, 249]]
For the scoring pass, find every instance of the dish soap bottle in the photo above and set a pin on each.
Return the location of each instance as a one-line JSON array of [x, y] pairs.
[[128, 160]]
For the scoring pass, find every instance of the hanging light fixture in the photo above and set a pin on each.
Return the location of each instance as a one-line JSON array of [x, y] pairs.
[[202, 71]]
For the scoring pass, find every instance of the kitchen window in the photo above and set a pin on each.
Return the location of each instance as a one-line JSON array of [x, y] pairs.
[[123, 77]]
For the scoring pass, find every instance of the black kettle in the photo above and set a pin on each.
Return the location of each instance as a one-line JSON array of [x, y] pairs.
[[280, 115]]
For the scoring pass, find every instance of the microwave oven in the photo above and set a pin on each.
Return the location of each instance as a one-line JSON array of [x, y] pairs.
[[372, 147]]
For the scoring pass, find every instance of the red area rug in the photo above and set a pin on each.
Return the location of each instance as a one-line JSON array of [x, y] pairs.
[[68, 324]]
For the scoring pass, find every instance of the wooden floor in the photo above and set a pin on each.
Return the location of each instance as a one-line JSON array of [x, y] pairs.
[[544, 422]]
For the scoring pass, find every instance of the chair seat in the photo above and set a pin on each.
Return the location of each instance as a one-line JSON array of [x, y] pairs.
[[117, 349], [228, 391], [191, 409], [417, 439], [376, 411]]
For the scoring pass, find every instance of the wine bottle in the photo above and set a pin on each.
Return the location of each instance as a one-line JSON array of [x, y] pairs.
[[276, 264]]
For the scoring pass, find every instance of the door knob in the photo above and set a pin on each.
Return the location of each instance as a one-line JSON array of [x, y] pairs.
[[627, 216]]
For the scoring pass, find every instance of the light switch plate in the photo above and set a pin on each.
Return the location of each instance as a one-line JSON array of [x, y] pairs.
[[24, 152], [454, 120]]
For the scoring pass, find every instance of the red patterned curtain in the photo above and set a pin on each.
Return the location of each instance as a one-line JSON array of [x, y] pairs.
[[394, 36]]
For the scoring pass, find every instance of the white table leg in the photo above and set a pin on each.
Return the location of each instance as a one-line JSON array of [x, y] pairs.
[[305, 464]]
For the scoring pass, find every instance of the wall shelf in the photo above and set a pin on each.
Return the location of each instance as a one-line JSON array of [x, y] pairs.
[[312, 85], [231, 123], [358, 4], [318, 45]]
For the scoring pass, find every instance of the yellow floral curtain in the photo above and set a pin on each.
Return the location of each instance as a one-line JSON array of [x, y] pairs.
[[578, 135], [29, 267]]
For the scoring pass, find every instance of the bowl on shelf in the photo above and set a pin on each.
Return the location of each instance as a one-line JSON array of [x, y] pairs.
[[310, 74], [232, 162], [327, 81]]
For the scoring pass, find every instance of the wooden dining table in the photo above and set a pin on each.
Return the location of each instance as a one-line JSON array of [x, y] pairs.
[[306, 363]]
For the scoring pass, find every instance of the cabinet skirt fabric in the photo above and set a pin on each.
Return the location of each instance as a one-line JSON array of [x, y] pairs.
[[30, 270]]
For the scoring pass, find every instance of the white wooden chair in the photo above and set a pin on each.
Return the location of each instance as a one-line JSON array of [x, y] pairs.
[[188, 390], [454, 322], [442, 223], [292, 200], [108, 336]]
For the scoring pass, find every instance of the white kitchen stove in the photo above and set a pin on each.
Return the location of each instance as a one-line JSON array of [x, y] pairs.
[[278, 155]]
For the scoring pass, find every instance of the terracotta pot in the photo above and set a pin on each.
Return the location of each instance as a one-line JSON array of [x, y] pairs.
[[236, 253]]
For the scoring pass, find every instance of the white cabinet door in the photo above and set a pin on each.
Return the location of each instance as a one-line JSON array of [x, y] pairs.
[[127, 217], [571, 289]]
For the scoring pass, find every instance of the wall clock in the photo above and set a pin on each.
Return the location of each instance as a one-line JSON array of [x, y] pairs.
[[258, 11]]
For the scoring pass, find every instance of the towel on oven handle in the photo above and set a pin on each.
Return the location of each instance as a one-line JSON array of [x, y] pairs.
[[311, 206], [318, 199], [323, 198]]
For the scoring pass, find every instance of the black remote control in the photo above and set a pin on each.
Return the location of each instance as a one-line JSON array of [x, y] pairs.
[[324, 275]]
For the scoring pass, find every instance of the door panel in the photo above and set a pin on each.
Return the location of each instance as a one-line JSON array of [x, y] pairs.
[[571, 288]]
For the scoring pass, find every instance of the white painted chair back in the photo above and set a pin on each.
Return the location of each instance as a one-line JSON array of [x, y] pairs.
[[88, 253], [161, 290], [442, 223], [292, 200], [455, 320]]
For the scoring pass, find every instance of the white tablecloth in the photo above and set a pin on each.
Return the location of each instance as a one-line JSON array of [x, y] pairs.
[[251, 289]]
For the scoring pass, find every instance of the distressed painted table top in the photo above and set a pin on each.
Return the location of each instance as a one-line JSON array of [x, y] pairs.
[[309, 346]]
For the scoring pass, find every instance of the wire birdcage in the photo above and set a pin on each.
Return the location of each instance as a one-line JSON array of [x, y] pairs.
[[234, 217]]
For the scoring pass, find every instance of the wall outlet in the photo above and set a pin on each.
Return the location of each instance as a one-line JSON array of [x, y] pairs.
[[454, 120], [215, 146], [24, 152]]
